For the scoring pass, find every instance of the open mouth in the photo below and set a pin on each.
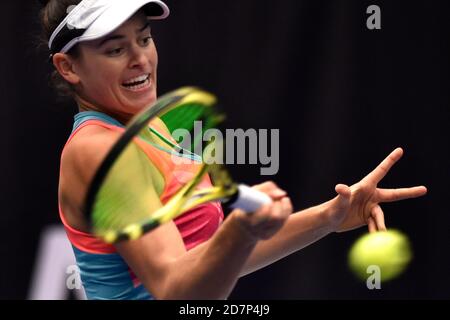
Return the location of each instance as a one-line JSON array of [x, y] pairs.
[[137, 83]]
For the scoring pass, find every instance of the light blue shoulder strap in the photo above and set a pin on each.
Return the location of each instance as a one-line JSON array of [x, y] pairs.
[[84, 116]]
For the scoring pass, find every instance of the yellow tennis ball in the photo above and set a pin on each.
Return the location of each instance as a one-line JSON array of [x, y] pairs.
[[390, 251]]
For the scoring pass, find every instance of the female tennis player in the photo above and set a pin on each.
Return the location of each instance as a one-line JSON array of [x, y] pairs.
[[105, 58]]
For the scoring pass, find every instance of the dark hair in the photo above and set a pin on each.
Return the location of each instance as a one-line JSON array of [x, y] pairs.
[[51, 15]]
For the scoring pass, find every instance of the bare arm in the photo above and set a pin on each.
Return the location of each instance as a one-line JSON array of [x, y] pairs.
[[209, 271], [353, 207], [300, 230]]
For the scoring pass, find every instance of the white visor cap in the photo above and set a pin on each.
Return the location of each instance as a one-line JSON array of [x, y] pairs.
[[93, 19]]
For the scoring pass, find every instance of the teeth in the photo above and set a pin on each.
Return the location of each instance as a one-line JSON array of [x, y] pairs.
[[138, 86], [137, 79]]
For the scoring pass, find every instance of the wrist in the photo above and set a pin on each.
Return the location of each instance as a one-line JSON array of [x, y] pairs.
[[331, 216]]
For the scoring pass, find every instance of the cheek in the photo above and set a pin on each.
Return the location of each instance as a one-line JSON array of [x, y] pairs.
[[103, 77], [108, 75], [155, 57], [152, 54], [97, 85]]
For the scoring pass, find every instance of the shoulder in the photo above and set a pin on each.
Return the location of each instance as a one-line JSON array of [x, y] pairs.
[[80, 159], [87, 149]]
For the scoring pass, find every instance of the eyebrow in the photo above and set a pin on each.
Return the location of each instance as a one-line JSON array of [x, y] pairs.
[[119, 36]]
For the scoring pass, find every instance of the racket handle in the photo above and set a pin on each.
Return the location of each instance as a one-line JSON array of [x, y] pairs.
[[249, 199]]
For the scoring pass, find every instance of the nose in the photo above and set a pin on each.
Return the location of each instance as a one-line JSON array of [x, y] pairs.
[[138, 57]]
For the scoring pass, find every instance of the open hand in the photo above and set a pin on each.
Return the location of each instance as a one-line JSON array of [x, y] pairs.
[[358, 204]]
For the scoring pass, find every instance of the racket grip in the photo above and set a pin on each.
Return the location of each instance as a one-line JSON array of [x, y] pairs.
[[249, 199]]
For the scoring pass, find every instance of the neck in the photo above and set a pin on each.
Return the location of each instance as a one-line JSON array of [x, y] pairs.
[[84, 105]]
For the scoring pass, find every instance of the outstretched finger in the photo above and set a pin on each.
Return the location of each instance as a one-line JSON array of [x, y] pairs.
[[378, 217], [371, 225], [343, 190], [383, 168], [390, 195]]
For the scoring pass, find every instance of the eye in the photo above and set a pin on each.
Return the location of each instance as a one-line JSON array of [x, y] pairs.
[[114, 52], [146, 40]]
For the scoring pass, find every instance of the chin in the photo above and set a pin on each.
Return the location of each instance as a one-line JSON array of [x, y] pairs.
[[149, 98], [139, 104], [152, 98]]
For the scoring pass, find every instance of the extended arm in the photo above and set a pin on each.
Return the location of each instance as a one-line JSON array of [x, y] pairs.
[[353, 207]]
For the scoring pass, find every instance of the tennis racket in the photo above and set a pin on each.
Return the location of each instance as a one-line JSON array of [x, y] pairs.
[[118, 204]]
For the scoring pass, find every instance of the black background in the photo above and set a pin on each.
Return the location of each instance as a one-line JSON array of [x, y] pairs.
[[342, 96]]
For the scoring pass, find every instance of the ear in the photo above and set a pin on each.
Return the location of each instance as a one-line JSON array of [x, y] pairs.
[[65, 66]]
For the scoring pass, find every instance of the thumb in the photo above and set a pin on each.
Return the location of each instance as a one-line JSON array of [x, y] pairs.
[[343, 190]]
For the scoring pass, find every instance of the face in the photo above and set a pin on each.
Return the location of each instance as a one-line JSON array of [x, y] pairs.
[[117, 73]]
